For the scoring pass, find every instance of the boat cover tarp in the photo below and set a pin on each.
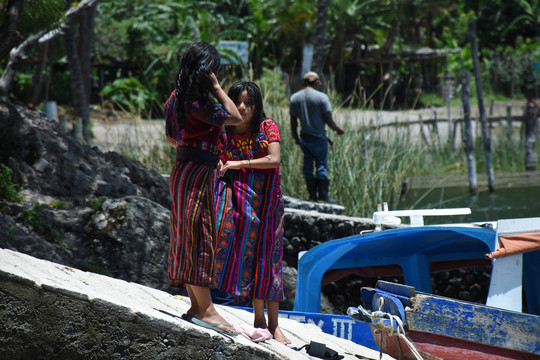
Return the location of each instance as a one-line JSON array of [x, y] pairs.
[[516, 244]]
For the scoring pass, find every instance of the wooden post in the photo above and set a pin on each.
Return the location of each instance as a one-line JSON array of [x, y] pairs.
[[509, 121], [367, 136], [480, 94], [469, 139], [51, 110], [435, 128], [63, 121], [424, 137], [454, 130], [530, 129], [391, 85], [78, 128], [491, 106], [512, 77], [448, 86]]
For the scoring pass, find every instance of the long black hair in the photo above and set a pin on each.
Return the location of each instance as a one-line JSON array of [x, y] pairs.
[[255, 96], [193, 81]]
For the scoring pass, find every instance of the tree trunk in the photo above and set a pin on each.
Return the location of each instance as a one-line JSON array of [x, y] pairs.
[[78, 93], [8, 29], [320, 30], [37, 78], [530, 130], [485, 133], [469, 136], [509, 122], [16, 55], [86, 31]]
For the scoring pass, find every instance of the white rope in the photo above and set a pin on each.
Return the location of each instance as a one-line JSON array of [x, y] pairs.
[[399, 332]]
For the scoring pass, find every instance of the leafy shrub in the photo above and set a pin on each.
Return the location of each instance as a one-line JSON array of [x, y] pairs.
[[95, 204], [35, 219], [130, 94], [8, 190]]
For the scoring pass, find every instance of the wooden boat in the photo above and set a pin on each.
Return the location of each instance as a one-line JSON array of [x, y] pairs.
[[412, 325], [415, 251]]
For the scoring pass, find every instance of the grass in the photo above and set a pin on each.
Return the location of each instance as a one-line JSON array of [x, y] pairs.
[[367, 166]]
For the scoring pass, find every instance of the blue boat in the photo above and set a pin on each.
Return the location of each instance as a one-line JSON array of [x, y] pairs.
[[413, 325], [416, 251]]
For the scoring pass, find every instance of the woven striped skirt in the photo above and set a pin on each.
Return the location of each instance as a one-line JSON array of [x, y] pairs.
[[249, 252], [193, 224]]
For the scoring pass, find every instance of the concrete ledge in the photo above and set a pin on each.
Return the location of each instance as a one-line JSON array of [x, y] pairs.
[[50, 311]]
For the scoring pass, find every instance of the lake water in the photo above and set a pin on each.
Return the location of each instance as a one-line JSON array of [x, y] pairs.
[[517, 195]]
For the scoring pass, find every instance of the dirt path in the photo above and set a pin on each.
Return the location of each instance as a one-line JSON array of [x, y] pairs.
[[126, 132]]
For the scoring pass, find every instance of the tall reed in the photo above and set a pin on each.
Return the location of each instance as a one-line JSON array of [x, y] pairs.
[[365, 170]]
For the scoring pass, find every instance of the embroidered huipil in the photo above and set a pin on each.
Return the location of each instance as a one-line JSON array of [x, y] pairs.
[[250, 210]]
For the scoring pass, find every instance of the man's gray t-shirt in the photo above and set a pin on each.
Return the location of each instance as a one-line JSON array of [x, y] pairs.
[[310, 105]]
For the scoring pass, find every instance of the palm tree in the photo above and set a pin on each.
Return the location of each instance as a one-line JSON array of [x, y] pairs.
[[320, 30], [354, 24], [529, 15]]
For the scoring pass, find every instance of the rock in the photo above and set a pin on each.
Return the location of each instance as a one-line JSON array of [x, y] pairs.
[[83, 208]]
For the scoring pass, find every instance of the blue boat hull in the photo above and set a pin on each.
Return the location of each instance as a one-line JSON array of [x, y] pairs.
[[445, 328]]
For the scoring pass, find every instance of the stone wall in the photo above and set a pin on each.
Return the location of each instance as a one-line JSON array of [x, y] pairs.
[[310, 224]]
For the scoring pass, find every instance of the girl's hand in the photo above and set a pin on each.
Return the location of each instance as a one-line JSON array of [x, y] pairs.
[[235, 118], [233, 165], [172, 141], [215, 82], [219, 168]]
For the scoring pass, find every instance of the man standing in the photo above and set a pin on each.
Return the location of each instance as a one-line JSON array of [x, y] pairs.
[[314, 110]]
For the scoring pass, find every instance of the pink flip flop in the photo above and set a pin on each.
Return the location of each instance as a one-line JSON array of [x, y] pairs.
[[253, 334]]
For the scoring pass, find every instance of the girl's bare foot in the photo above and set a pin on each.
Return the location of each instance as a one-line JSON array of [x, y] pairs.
[[279, 336], [260, 325], [215, 317], [191, 311]]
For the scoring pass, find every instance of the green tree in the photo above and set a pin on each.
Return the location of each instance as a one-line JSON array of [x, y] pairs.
[[354, 25], [527, 17], [49, 31]]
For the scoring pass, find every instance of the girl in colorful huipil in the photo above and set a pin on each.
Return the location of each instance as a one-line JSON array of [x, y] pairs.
[[250, 211], [194, 124]]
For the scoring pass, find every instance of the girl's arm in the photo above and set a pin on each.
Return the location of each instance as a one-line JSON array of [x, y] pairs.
[[270, 161], [171, 141], [235, 118]]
